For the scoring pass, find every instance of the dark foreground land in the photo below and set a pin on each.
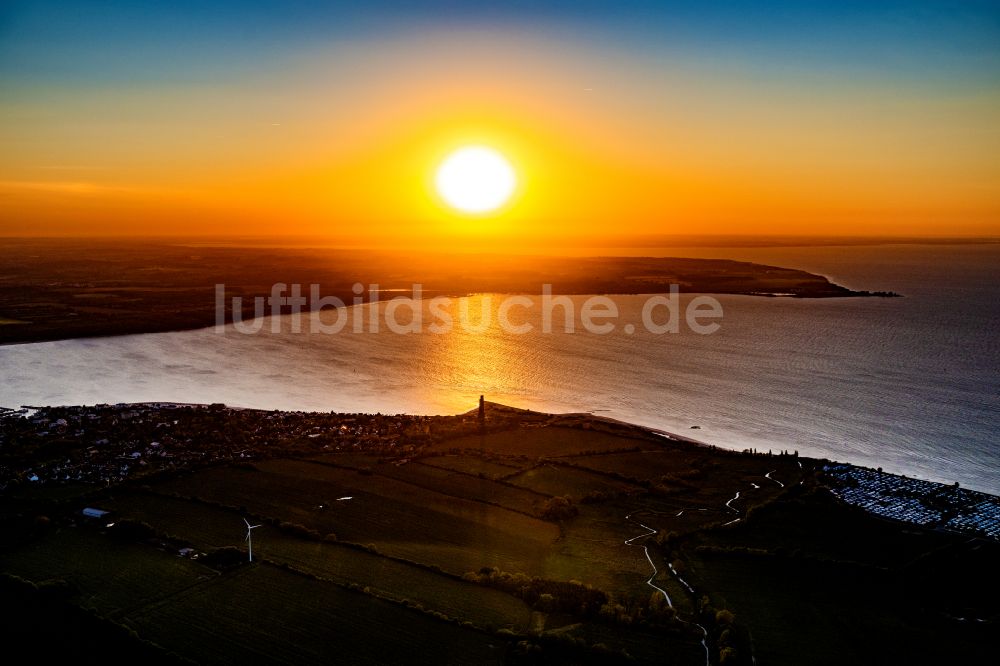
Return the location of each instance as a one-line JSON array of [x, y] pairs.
[[532, 539], [62, 288]]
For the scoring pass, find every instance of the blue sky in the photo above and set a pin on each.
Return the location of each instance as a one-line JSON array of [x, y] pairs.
[[115, 42]]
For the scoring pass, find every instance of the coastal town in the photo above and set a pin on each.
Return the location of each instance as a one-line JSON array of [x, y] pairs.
[[916, 501], [106, 444]]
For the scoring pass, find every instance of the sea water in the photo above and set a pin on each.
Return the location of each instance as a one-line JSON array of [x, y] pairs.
[[908, 384]]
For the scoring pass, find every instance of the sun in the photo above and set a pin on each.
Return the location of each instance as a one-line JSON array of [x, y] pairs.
[[475, 179]]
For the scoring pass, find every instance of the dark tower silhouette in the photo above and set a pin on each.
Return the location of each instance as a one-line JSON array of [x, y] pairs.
[[482, 413]]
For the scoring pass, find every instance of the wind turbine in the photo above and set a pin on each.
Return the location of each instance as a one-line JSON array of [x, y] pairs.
[[249, 540]]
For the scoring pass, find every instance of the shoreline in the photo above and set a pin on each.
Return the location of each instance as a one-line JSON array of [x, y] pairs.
[[248, 319], [508, 409]]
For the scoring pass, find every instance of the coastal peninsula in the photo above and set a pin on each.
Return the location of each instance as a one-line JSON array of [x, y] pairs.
[[66, 288]]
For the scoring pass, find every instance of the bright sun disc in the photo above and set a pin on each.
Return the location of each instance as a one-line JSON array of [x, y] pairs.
[[475, 179]]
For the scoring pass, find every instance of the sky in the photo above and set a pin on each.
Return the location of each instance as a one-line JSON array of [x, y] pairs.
[[330, 118]]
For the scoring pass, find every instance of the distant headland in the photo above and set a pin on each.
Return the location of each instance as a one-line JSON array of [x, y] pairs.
[[63, 288]]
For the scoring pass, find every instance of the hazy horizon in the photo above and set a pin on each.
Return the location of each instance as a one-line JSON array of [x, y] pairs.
[[510, 240]]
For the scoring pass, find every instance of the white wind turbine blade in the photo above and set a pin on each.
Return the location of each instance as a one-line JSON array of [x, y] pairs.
[[249, 540]]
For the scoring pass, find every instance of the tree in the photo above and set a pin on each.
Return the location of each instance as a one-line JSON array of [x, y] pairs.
[[559, 508], [223, 558], [724, 617]]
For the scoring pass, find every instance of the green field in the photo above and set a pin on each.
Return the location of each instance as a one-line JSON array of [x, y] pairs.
[[474, 465], [262, 614], [554, 480], [110, 576], [547, 442], [208, 527], [465, 486], [593, 550], [399, 518]]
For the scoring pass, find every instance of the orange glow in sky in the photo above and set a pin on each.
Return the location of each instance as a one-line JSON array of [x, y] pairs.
[[599, 141]]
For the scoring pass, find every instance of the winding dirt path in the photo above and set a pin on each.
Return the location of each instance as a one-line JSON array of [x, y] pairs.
[[651, 531], [645, 549], [649, 581]]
